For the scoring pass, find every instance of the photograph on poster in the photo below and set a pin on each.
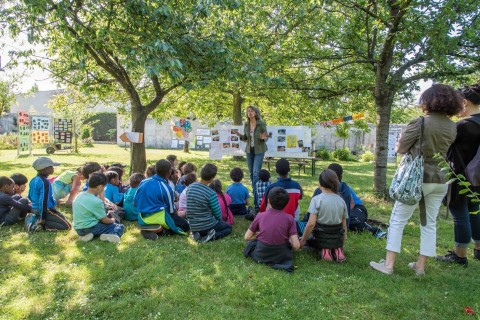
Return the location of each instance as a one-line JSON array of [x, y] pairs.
[[199, 138], [300, 143], [234, 131], [234, 138], [207, 145], [226, 145], [214, 132], [282, 131], [203, 132], [235, 145], [216, 138], [306, 149], [207, 139], [291, 141], [199, 142], [281, 139], [280, 148]]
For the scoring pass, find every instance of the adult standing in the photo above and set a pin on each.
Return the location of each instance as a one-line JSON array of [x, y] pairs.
[[466, 225], [256, 135], [439, 103]]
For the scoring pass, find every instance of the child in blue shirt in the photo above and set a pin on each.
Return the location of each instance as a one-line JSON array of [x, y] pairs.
[[43, 204], [154, 202], [112, 192], [11, 210], [131, 213], [238, 193], [89, 217]]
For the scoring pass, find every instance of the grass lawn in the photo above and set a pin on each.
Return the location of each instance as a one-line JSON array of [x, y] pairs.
[[51, 275]]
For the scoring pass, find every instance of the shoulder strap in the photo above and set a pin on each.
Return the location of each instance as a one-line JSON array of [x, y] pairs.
[[421, 135]]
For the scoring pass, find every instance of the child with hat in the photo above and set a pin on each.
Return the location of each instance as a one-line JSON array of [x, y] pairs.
[[45, 215]]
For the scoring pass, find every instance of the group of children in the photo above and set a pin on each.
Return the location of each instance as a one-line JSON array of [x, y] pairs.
[[170, 199]]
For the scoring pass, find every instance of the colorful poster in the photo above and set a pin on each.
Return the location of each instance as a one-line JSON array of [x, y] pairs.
[[23, 118], [182, 129], [23, 138], [40, 123], [40, 137], [291, 141], [62, 130]]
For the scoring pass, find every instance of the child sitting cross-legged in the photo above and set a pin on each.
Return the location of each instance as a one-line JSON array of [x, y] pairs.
[[131, 212], [112, 191], [182, 201], [238, 192], [203, 208], [273, 234], [224, 200], [11, 210], [327, 220], [89, 217]]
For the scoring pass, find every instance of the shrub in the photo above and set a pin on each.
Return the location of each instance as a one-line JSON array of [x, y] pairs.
[[323, 154], [8, 141], [367, 156], [86, 133], [343, 154], [103, 124]]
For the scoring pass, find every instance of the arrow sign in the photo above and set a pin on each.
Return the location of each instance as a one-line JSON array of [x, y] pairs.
[[133, 137]]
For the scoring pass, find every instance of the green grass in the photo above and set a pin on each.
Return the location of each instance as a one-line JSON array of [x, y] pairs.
[[51, 275]]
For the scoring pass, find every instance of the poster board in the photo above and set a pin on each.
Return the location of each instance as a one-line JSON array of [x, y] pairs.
[[24, 133], [40, 123], [63, 130], [202, 139], [285, 141], [393, 137]]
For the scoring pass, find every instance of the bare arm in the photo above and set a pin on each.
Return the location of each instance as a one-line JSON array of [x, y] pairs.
[[344, 223], [295, 242], [308, 229], [250, 235], [107, 220]]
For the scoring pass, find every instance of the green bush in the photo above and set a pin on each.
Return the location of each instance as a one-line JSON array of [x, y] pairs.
[[367, 156], [103, 125], [86, 133], [343, 154], [324, 154], [8, 141]]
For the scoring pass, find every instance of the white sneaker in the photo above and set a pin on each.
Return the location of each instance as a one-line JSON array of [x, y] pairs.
[[113, 238], [86, 238], [380, 266]]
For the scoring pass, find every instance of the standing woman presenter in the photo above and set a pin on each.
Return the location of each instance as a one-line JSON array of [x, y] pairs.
[[256, 135]]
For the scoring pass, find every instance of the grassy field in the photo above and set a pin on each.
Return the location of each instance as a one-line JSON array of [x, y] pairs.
[[51, 275]]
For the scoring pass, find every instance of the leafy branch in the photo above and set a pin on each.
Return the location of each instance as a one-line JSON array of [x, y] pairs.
[[462, 181]]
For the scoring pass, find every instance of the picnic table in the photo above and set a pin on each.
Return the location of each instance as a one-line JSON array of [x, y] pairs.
[[301, 162]]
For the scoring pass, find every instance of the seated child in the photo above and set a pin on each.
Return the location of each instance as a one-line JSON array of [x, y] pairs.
[[154, 202], [67, 183], [238, 192], [272, 234], [120, 171], [20, 185], [295, 192], [89, 168], [174, 176], [150, 171], [112, 192], [327, 220], [203, 209], [131, 212], [187, 168], [262, 184], [181, 166], [11, 210], [182, 202], [359, 217], [224, 200], [43, 203], [89, 218]]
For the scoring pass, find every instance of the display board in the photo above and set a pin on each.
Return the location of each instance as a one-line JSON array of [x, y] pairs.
[[24, 132], [393, 137], [203, 139], [40, 123], [63, 130], [284, 141], [41, 137]]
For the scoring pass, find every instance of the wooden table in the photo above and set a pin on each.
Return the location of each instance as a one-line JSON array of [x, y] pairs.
[[301, 162]]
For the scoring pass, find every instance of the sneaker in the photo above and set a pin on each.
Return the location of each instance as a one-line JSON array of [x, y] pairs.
[[210, 235], [86, 238], [338, 255], [113, 238], [380, 234], [195, 236], [31, 223], [326, 254], [149, 235], [250, 216], [380, 266], [452, 257], [413, 266], [476, 254]]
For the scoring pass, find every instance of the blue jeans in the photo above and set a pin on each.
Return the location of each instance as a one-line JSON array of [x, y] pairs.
[[102, 228], [466, 225], [254, 163]]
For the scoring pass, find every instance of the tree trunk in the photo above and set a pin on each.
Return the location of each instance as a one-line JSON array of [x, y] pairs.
[[186, 147], [237, 108], [138, 157], [383, 102]]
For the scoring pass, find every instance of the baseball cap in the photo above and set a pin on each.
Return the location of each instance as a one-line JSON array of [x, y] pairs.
[[44, 162]]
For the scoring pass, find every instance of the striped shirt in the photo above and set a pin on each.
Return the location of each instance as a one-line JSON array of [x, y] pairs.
[[203, 209]]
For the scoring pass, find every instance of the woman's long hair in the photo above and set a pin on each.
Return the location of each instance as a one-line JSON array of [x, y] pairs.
[[258, 116]]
